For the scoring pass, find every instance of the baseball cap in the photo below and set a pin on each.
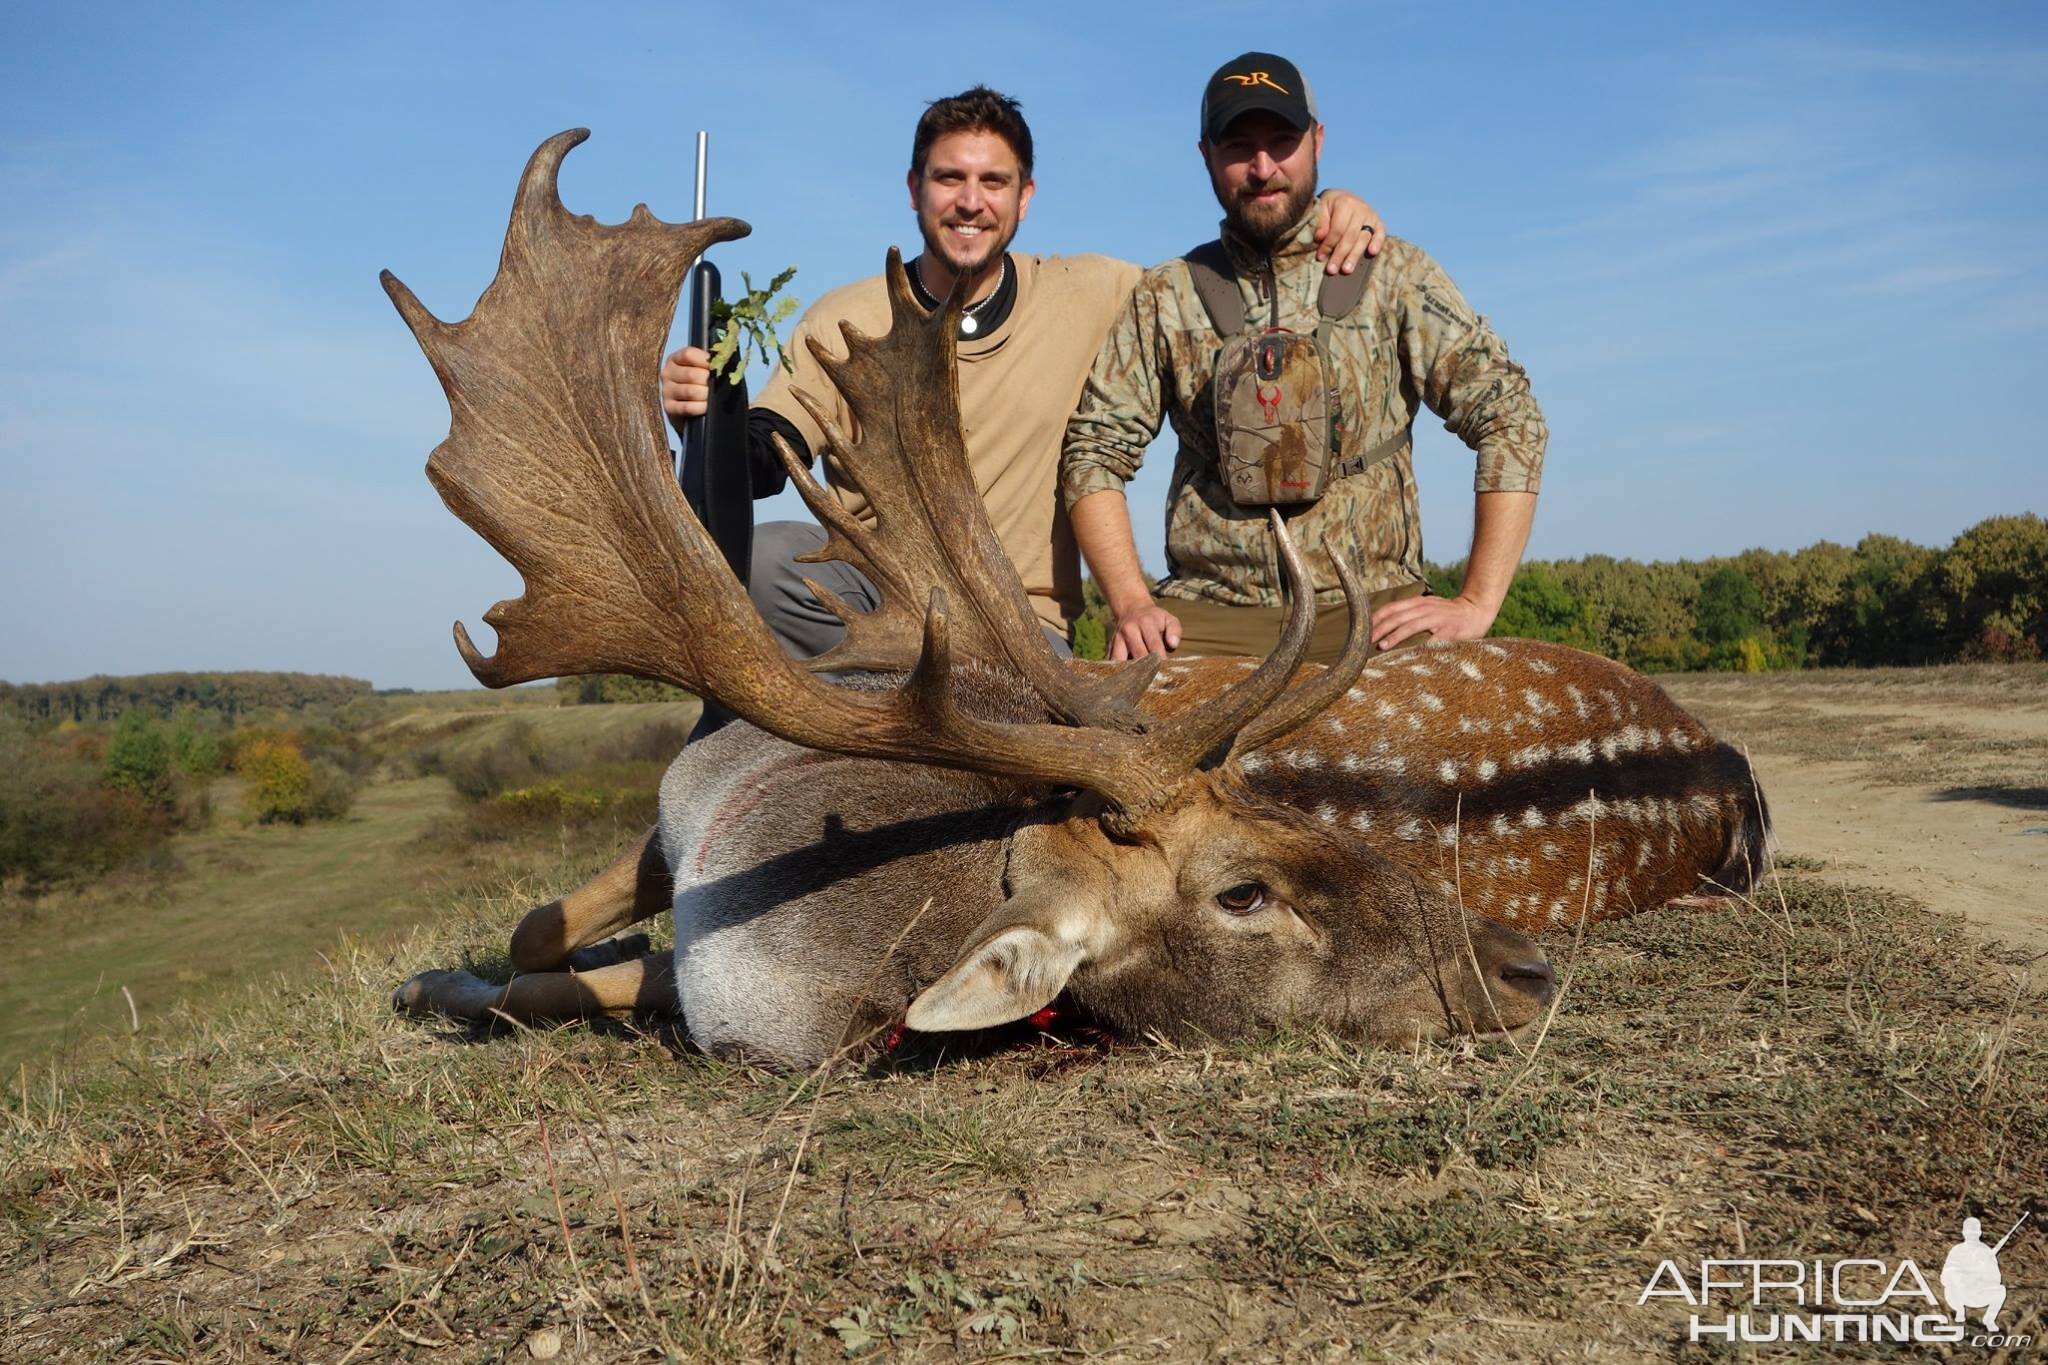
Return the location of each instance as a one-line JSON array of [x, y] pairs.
[[1257, 80]]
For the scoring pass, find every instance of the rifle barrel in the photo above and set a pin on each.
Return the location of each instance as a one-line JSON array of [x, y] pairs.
[[703, 156], [2010, 1231]]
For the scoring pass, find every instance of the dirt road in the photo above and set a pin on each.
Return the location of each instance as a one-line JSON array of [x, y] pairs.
[[1933, 782]]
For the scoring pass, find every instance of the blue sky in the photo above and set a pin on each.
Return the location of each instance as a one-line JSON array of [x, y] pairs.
[[1777, 273]]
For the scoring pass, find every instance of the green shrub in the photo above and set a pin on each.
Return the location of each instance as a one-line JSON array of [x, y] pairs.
[[1091, 637], [139, 758], [595, 688], [59, 820]]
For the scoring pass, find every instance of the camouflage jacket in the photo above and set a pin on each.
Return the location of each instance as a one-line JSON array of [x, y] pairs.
[[1412, 340]]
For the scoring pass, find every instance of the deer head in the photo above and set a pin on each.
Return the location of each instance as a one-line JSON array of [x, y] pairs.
[[1148, 879]]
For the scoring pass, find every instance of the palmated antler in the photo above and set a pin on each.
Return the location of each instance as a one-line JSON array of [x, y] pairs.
[[556, 456], [909, 461]]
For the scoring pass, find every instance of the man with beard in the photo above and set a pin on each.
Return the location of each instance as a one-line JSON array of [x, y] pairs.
[[1410, 340], [1032, 326]]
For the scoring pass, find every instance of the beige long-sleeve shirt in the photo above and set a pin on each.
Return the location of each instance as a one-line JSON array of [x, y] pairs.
[[1018, 384]]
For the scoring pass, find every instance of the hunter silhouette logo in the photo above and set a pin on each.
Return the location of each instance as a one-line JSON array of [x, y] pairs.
[[1970, 1278], [1856, 1299], [1253, 78]]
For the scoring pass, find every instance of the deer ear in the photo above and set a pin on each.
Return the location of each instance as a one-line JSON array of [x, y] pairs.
[[1018, 961]]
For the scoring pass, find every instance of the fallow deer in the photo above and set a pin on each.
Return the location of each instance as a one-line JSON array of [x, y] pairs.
[[956, 826]]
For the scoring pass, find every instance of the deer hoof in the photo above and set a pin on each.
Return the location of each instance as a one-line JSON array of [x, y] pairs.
[[455, 995], [610, 952]]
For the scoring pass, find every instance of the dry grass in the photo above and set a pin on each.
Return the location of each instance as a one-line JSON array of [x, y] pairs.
[[304, 1175], [295, 1173], [1966, 726]]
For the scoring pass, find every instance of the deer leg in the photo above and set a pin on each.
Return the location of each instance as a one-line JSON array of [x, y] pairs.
[[641, 985], [636, 886]]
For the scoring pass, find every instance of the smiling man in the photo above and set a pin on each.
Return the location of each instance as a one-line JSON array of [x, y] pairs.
[[1288, 393], [1032, 327]]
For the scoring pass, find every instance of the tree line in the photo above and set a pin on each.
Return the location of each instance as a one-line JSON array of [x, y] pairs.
[[1882, 601], [102, 698]]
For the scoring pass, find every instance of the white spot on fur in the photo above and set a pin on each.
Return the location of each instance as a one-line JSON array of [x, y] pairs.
[[1335, 725], [1582, 751], [1447, 771], [1361, 821], [1533, 818], [1470, 669], [1253, 763], [1327, 814], [1303, 758], [1487, 768], [1385, 709], [1430, 700], [1409, 829], [1579, 707], [1354, 695], [1422, 670], [1447, 835], [1495, 650], [1350, 763], [1680, 741], [1539, 705], [1414, 721], [1537, 665], [1500, 826]]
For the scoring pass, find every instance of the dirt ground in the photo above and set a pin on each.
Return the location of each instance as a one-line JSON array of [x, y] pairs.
[[1931, 783]]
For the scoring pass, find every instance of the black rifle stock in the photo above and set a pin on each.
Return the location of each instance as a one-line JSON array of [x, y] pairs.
[[714, 464], [714, 470]]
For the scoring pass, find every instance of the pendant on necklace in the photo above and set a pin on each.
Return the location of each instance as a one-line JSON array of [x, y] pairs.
[[968, 326]]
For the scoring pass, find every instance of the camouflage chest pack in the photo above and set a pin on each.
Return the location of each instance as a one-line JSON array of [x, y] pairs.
[[1281, 431]]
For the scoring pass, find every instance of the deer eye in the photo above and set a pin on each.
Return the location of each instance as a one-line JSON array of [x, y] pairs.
[[1246, 898]]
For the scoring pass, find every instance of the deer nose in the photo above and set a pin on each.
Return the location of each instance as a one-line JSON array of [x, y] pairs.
[[1535, 977]]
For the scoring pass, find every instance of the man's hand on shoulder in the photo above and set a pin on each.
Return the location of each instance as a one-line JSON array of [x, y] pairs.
[[1445, 618], [1347, 231], [1149, 629], [686, 384]]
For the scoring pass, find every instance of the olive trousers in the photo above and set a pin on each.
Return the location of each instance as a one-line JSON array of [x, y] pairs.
[[1215, 628]]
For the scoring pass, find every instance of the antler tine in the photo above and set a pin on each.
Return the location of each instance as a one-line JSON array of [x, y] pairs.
[[1193, 737], [1300, 704]]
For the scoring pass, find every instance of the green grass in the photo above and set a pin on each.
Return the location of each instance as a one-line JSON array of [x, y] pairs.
[[466, 729], [242, 901], [250, 901]]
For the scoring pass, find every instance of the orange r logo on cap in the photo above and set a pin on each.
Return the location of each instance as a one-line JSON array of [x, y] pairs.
[[1260, 78]]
